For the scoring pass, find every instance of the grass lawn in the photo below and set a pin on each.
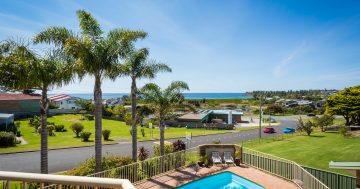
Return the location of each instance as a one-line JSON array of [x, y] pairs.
[[118, 131], [314, 151]]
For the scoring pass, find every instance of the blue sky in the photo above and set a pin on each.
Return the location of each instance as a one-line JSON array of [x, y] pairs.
[[218, 46]]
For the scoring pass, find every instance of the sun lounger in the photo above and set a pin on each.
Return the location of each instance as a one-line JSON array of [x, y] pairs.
[[228, 158], [216, 157]]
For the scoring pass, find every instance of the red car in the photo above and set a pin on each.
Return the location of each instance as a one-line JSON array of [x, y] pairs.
[[269, 130]]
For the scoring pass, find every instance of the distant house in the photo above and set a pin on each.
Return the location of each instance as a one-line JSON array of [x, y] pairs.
[[20, 104], [65, 101], [208, 116]]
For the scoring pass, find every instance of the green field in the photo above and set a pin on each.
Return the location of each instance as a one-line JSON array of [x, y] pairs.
[[314, 151], [118, 131]]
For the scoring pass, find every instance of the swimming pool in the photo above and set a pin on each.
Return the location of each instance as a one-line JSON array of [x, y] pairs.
[[225, 180]]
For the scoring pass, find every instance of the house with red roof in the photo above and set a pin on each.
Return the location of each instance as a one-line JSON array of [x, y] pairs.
[[20, 104], [64, 101]]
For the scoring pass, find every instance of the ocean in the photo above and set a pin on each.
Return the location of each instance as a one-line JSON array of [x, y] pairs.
[[187, 95]]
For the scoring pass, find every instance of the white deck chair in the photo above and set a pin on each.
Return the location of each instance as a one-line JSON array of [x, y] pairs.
[[216, 157], [228, 158]]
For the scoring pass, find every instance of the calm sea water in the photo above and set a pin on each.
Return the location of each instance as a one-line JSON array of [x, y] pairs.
[[187, 95]]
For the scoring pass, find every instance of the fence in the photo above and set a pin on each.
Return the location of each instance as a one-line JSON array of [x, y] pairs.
[[252, 142], [148, 168], [333, 180], [281, 167]]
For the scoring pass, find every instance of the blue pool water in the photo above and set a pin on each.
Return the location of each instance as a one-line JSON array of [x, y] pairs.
[[225, 180]]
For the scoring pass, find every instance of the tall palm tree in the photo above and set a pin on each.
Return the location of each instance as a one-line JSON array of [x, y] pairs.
[[22, 68], [137, 66], [164, 102], [96, 55]]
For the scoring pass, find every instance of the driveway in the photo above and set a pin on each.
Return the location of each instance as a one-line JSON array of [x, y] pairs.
[[64, 159]]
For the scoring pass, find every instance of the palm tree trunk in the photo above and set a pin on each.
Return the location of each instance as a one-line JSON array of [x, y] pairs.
[[133, 118], [98, 123], [44, 105], [162, 137]]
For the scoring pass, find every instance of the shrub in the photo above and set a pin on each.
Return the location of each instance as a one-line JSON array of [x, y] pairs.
[[167, 148], [89, 117], [143, 153], [77, 128], [35, 122], [85, 136], [178, 145], [59, 128], [344, 131], [51, 129], [106, 134], [108, 162], [324, 121], [306, 127], [127, 118], [216, 141], [143, 132], [7, 139]]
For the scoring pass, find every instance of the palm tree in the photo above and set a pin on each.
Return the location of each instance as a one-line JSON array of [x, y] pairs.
[[21, 68], [136, 67], [96, 55], [164, 102]]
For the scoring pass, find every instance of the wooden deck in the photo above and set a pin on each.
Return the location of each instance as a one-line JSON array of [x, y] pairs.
[[180, 177]]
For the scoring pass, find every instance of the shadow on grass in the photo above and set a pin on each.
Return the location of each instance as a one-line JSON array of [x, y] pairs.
[[316, 136]]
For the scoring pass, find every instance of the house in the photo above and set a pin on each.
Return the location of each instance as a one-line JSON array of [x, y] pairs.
[[65, 101], [20, 104], [208, 116]]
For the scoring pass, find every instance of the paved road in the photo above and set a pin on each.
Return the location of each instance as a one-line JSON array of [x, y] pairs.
[[64, 159]]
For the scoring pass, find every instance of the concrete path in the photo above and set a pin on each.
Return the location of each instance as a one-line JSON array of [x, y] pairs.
[[64, 159]]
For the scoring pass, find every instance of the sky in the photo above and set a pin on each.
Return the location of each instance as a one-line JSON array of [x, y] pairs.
[[216, 46]]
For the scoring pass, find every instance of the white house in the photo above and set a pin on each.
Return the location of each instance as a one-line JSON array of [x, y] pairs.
[[65, 101]]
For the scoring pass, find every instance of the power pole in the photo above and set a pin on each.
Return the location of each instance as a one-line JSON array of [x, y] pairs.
[[260, 116]]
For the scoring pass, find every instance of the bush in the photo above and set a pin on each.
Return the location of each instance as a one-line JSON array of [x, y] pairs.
[[51, 129], [89, 117], [60, 128], [143, 132], [143, 153], [306, 127], [77, 128], [178, 145], [7, 139], [108, 162], [344, 131], [167, 148], [127, 118], [216, 141], [85, 136], [106, 134]]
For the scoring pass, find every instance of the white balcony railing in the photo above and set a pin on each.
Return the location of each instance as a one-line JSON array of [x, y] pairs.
[[24, 180]]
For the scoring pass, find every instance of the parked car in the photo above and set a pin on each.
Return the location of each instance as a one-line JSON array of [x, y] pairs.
[[269, 130], [289, 130], [311, 115]]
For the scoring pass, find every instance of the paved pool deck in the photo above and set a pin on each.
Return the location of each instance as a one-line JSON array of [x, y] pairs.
[[182, 176]]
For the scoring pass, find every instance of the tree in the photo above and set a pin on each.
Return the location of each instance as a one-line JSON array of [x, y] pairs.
[[306, 126], [345, 103], [137, 66], [275, 109], [22, 68], [96, 55], [164, 102], [324, 121]]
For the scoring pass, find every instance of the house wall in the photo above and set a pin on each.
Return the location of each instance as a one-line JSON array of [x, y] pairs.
[[20, 107], [67, 104], [224, 117]]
